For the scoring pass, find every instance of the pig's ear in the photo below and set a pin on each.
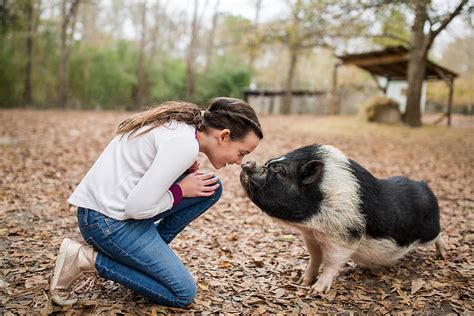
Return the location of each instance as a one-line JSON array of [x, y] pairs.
[[311, 171]]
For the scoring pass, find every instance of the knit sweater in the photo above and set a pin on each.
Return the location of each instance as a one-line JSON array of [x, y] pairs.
[[134, 178]]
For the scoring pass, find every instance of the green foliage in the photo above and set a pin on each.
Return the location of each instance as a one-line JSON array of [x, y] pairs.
[[225, 78], [106, 78], [395, 27], [11, 83], [103, 78], [168, 80], [45, 66]]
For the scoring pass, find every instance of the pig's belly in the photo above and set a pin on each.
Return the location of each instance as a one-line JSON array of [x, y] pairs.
[[374, 253]]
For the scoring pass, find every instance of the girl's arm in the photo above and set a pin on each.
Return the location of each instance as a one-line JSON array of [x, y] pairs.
[[152, 194]]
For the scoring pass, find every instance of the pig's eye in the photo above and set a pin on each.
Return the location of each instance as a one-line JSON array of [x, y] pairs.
[[280, 170]]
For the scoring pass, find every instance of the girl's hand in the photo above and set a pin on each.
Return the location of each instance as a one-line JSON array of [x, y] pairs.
[[194, 167], [199, 184]]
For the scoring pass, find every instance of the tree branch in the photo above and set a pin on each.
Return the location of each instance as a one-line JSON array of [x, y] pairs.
[[70, 13], [445, 22]]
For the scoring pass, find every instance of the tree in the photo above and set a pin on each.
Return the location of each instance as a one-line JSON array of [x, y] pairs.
[[254, 41], [140, 92], [313, 23], [191, 56], [29, 52], [159, 17], [421, 43], [212, 33], [69, 12]]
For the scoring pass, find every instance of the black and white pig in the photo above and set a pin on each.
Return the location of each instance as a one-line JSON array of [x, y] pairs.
[[342, 210]]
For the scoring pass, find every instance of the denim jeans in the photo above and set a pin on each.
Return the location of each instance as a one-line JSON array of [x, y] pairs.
[[135, 253]]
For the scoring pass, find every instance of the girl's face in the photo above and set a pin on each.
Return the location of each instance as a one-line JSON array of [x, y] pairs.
[[225, 151]]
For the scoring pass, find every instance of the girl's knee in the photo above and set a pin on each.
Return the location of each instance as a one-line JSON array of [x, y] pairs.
[[187, 296]]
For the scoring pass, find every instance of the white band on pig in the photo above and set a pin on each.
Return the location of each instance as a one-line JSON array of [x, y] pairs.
[[277, 159]]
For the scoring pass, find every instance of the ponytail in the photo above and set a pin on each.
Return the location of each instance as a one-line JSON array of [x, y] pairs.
[[233, 114], [188, 113]]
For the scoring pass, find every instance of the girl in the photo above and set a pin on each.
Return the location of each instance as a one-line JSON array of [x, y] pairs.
[[144, 189]]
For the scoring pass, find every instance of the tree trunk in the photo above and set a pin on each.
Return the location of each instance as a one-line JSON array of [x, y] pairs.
[[416, 66], [255, 40], [416, 76], [210, 46], [139, 97], [289, 82], [68, 22], [27, 98], [190, 75], [155, 34], [64, 70]]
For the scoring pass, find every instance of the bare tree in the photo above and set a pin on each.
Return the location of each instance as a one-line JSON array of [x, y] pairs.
[[159, 17], [255, 41], [210, 46], [313, 23], [190, 60], [69, 12], [139, 96], [88, 18]]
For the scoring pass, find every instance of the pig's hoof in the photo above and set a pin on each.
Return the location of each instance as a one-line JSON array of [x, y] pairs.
[[305, 280], [321, 286], [441, 248], [441, 253]]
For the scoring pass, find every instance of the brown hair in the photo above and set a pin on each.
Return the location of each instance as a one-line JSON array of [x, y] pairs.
[[233, 114]]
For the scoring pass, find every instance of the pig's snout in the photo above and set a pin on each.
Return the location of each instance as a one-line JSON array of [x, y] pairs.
[[249, 166]]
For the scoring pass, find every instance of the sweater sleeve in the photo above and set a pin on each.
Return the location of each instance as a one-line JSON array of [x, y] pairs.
[[155, 192]]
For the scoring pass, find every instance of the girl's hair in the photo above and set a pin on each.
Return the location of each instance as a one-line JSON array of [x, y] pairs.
[[233, 114]]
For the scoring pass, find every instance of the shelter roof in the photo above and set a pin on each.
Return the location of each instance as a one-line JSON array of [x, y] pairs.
[[392, 63]]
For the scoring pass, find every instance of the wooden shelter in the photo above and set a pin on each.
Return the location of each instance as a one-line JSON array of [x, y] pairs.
[[392, 63]]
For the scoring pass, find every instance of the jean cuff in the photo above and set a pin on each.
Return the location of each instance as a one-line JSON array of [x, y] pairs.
[[177, 193]]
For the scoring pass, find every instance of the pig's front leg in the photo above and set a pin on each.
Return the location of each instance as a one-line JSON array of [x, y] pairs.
[[334, 258], [315, 259]]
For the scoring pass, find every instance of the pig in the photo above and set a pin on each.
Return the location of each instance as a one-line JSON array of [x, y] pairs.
[[343, 211]]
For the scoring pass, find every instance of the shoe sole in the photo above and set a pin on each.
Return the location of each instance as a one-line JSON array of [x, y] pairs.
[[57, 269]]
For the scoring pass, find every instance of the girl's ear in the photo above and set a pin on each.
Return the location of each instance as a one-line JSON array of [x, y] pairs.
[[224, 135]]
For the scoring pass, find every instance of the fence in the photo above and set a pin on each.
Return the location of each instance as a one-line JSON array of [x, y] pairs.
[[309, 102]]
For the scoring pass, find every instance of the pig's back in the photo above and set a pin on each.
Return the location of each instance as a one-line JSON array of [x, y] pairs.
[[397, 208]]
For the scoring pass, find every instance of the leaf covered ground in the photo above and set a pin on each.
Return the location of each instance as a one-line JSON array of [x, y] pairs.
[[243, 262]]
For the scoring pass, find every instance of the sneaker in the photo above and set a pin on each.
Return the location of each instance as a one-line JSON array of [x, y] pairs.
[[74, 262]]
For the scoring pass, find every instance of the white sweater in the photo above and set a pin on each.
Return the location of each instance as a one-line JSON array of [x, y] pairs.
[[133, 178]]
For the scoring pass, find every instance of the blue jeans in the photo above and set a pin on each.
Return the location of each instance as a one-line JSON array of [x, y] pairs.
[[135, 253]]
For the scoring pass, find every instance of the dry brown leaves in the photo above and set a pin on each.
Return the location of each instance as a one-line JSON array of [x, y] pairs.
[[242, 260]]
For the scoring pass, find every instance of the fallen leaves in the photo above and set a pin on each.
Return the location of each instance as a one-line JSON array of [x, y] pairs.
[[243, 261], [416, 285]]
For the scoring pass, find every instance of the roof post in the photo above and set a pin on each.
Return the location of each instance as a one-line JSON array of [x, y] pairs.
[[334, 101], [450, 99]]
